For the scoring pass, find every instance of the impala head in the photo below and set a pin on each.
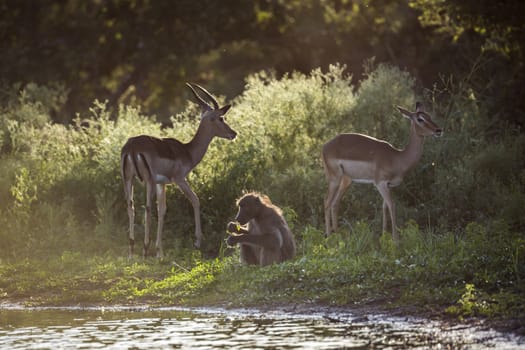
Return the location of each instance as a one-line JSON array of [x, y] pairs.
[[212, 116], [423, 122]]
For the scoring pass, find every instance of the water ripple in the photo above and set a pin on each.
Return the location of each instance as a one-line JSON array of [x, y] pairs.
[[177, 328]]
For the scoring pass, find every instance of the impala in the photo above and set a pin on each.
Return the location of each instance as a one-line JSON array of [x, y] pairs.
[[158, 162], [360, 158]]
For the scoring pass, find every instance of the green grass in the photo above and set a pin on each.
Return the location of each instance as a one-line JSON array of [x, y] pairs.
[[461, 276]]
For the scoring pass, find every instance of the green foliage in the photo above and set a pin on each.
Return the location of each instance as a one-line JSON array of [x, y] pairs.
[[63, 219], [277, 153], [62, 215], [383, 88], [220, 43], [474, 302], [27, 107], [71, 173], [499, 30]]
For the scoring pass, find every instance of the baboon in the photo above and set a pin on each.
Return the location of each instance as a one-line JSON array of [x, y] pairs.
[[261, 231]]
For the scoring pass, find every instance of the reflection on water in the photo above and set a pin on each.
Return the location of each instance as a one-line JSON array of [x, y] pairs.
[[124, 328]]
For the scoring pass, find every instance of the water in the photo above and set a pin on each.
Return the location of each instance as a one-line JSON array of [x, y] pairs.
[[179, 328]]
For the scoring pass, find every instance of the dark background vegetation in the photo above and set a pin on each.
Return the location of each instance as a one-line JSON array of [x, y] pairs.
[[142, 52], [77, 78]]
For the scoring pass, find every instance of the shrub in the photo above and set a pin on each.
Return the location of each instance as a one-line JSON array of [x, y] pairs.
[[56, 176]]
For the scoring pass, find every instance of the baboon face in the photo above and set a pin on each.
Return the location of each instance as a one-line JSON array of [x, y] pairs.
[[248, 207]]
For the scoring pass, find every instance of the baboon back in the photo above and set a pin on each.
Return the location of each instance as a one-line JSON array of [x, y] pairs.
[[280, 245]]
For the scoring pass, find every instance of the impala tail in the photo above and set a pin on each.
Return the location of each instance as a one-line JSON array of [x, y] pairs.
[[128, 162], [325, 165], [328, 170]]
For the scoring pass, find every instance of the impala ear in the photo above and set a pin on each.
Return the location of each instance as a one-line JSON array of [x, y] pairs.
[[225, 109], [419, 106], [405, 113]]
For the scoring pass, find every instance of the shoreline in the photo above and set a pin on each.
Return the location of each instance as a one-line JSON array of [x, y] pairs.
[[347, 314]]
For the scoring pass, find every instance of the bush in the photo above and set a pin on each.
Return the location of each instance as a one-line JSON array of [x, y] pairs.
[[28, 106], [61, 176]]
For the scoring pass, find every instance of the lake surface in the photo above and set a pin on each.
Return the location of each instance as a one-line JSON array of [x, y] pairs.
[[181, 328]]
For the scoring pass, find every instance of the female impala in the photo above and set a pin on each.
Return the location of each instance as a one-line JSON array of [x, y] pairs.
[[359, 158], [158, 162]]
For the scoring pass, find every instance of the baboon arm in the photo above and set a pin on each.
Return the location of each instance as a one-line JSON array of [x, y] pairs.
[[236, 228], [267, 241]]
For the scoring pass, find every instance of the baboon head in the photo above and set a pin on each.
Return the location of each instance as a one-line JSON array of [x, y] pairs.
[[249, 206]]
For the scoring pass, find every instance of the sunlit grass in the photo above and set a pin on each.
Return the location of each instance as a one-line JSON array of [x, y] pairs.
[[462, 276]]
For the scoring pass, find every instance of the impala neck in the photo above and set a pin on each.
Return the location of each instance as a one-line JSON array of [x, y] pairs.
[[198, 146], [414, 149]]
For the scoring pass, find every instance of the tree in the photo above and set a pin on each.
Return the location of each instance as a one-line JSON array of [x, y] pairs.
[[492, 33], [111, 49]]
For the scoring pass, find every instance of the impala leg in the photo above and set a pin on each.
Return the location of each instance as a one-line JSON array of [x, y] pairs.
[[328, 202], [388, 203], [188, 192], [395, 234], [128, 190], [343, 186], [385, 216], [161, 210], [147, 219]]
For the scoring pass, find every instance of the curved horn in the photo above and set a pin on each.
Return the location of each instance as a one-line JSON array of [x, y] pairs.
[[200, 101], [210, 96]]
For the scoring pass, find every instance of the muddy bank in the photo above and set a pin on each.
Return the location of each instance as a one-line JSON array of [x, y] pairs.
[[515, 327]]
